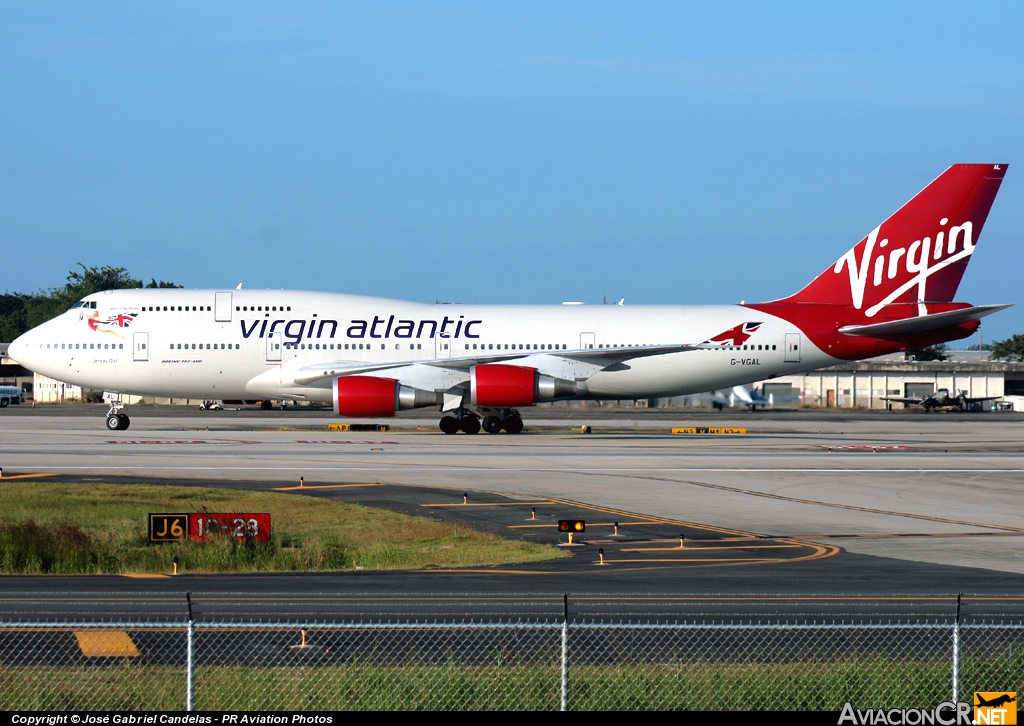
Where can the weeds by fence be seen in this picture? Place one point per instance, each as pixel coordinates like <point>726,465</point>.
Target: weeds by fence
<point>350,665</point>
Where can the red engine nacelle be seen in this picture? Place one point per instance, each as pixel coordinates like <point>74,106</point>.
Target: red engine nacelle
<point>371,397</point>
<point>365,396</point>
<point>496,385</point>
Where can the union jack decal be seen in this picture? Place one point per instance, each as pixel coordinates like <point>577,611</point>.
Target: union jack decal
<point>735,336</point>
<point>120,320</point>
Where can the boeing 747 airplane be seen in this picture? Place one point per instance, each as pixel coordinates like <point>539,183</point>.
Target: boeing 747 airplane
<point>371,357</point>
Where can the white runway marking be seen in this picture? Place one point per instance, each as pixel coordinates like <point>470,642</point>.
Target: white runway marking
<point>580,470</point>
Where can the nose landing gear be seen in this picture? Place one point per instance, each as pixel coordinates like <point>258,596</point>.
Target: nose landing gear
<point>117,421</point>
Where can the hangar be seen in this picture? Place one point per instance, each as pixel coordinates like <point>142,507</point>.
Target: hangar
<point>864,384</point>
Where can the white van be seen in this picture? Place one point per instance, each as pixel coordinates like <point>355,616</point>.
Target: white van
<point>11,394</point>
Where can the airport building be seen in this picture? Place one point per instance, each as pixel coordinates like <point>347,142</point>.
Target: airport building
<point>866,383</point>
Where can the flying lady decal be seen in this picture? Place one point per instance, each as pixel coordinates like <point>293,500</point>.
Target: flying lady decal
<point>108,325</point>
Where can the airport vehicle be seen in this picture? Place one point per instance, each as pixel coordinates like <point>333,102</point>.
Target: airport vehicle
<point>942,399</point>
<point>738,395</point>
<point>11,394</point>
<point>371,357</point>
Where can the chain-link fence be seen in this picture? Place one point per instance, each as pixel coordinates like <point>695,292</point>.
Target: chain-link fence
<point>508,666</point>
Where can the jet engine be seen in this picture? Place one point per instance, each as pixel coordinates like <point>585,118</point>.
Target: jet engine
<point>495,385</point>
<point>369,396</point>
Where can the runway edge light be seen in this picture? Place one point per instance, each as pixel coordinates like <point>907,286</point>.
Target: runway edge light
<point>572,525</point>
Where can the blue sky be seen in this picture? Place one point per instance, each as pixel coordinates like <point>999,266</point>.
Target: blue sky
<point>515,152</point>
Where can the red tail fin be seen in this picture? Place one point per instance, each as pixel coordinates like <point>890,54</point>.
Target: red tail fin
<point>917,255</point>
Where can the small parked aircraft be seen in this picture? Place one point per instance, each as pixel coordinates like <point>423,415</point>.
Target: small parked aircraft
<point>942,399</point>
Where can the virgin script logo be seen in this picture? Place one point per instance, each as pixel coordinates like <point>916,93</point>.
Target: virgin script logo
<point>921,259</point>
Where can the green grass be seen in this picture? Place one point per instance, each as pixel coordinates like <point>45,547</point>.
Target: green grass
<point>102,528</point>
<point>867,683</point>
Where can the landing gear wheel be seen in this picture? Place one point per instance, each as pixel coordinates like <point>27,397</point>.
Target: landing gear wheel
<point>114,422</point>
<point>492,425</point>
<point>125,421</point>
<point>449,425</point>
<point>513,424</point>
<point>470,424</point>
<point>266,405</point>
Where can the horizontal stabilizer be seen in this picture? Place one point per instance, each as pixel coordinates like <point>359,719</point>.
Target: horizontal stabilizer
<point>922,323</point>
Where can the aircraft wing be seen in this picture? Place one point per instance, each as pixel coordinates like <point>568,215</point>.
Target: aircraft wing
<point>603,357</point>
<point>979,400</point>
<point>922,323</point>
<point>908,401</point>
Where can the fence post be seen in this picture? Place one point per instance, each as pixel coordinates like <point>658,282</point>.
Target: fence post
<point>565,654</point>
<point>956,650</point>
<point>190,670</point>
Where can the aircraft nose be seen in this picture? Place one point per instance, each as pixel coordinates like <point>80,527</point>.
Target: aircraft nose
<point>16,350</point>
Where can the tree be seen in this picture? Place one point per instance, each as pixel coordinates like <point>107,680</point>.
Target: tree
<point>932,352</point>
<point>1010,349</point>
<point>20,312</point>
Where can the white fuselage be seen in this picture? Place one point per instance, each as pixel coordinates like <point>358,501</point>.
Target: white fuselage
<point>248,344</point>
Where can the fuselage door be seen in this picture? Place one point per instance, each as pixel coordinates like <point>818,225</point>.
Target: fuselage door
<point>442,347</point>
<point>792,347</point>
<point>222,307</point>
<point>274,341</point>
<point>140,347</point>
<point>587,340</point>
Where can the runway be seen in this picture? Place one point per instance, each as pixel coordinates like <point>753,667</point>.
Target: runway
<point>817,503</point>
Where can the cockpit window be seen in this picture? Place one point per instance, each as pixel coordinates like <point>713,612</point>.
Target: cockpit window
<point>78,304</point>
<point>89,304</point>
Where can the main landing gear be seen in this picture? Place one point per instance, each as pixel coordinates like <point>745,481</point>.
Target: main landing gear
<point>463,420</point>
<point>507,419</point>
<point>117,421</point>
